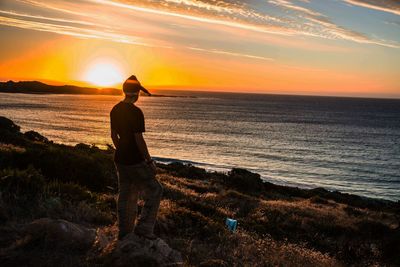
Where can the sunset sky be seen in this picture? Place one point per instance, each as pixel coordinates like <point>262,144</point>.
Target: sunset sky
<point>324,47</point>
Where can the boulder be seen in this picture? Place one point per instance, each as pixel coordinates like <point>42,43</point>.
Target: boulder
<point>61,234</point>
<point>137,251</point>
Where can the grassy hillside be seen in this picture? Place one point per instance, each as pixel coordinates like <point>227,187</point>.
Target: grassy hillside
<point>35,87</point>
<point>278,226</point>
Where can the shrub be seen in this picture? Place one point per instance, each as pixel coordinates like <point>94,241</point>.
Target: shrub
<point>10,132</point>
<point>93,170</point>
<point>186,170</point>
<point>244,181</point>
<point>35,136</point>
<point>23,187</point>
<point>188,223</point>
<point>70,191</point>
<point>8,125</point>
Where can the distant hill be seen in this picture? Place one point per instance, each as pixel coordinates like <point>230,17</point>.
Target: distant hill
<point>35,87</point>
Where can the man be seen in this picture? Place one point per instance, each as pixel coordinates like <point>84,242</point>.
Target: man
<point>136,170</point>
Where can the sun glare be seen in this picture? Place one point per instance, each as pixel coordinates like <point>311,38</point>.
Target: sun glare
<point>103,74</point>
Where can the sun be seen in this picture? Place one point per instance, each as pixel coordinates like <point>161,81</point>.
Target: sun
<point>103,74</point>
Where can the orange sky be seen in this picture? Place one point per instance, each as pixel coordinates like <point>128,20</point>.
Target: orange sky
<point>57,42</point>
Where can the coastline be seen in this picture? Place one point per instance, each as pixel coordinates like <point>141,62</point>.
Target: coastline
<point>225,170</point>
<point>39,88</point>
<point>303,144</point>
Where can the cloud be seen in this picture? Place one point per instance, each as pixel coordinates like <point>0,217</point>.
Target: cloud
<point>240,14</point>
<point>390,6</point>
<point>12,13</point>
<point>69,27</point>
<point>120,20</point>
<point>71,31</point>
<point>394,23</point>
<point>294,7</point>
<point>319,25</point>
<point>215,51</point>
<point>338,32</point>
<point>224,13</point>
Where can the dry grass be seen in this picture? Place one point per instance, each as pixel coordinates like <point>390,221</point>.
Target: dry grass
<point>286,232</point>
<point>11,148</point>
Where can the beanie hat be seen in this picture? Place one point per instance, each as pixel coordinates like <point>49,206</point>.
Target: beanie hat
<point>132,86</point>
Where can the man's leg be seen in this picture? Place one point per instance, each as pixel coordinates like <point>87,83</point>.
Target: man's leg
<point>152,190</point>
<point>127,201</point>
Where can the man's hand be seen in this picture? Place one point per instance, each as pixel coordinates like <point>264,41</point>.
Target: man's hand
<point>115,138</point>
<point>153,166</point>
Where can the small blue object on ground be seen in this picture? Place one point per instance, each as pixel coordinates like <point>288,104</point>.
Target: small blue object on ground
<point>231,224</point>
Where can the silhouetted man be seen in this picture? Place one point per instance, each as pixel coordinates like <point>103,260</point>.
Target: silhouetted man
<point>136,170</point>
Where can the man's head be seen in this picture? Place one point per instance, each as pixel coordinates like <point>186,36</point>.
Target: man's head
<point>132,88</point>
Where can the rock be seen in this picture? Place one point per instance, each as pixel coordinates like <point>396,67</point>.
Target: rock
<point>137,251</point>
<point>61,233</point>
<point>35,136</point>
<point>8,125</point>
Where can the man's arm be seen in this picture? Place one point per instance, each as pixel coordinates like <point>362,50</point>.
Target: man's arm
<point>142,146</point>
<point>115,138</point>
<point>144,151</point>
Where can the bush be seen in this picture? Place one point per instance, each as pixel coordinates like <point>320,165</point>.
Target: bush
<point>69,191</point>
<point>35,136</point>
<point>10,132</point>
<point>244,181</point>
<point>87,168</point>
<point>186,170</point>
<point>22,187</point>
<point>8,125</point>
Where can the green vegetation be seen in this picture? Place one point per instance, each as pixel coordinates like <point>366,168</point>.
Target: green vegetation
<point>278,226</point>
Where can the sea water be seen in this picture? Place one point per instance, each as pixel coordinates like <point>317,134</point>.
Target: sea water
<point>346,144</point>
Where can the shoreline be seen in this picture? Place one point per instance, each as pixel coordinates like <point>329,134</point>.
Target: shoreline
<point>266,180</point>
<point>312,159</point>
<point>211,168</point>
<point>306,190</point>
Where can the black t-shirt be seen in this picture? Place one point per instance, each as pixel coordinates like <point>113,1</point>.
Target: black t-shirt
<point>126,120</point>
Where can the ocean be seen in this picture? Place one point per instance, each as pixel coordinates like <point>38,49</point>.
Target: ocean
<point>347,144</point>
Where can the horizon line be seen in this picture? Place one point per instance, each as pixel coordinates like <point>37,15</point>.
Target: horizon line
<point>188,88</point>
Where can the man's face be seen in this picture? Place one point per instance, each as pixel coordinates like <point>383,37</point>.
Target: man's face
<point>133,97</point>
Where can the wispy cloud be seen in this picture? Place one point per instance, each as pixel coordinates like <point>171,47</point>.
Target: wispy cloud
<point>240,14</point>
<point>71,31</point>
<point>72,27</point>
<point>390,6</point>
<point>241,19</point>
<point>319,25</point>
<point>215,51</point>
<point>394,23</point>
<point>13,13</point>
<point>117,20</point>
<point>291,6</point>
